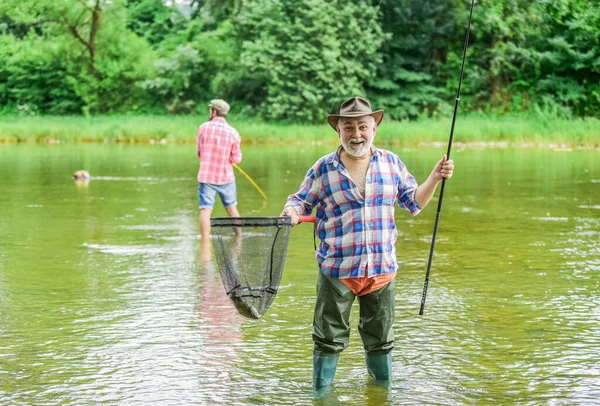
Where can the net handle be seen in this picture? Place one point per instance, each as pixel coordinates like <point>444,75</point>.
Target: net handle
<point>306,219</point>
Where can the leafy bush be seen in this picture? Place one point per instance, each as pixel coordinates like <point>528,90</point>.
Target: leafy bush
<point>305,55</point>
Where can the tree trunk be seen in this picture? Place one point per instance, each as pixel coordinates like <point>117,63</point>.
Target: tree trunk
<point>89,43</point>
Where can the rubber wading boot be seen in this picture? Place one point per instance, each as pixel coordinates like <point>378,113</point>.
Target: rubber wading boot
<point>323,370</point>
<point>380,366</point>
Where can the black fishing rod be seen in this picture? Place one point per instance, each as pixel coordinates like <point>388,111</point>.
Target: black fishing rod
<point>439,208</point>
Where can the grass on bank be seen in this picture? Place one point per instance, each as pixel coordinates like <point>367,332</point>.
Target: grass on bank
<point>182,129</point>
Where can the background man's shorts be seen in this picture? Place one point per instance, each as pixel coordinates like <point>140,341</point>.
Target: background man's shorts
<point>208,191</point>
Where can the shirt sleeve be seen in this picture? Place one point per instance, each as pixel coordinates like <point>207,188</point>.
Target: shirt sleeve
<point>199,142</point>
<point>236,152</point>
<point>305,199</point>
<point>407,192</point>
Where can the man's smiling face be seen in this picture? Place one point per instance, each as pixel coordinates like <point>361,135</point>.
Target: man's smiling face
<point>356,135</point>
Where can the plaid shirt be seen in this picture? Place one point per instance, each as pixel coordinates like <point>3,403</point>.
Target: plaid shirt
<point>356,232</point>
<point>218,146</point>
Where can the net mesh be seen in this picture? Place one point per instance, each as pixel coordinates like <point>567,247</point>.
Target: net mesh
<point>250,253</point>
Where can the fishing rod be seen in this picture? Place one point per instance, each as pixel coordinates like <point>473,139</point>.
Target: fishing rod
<point>439,207</point>
<point>251,181</point>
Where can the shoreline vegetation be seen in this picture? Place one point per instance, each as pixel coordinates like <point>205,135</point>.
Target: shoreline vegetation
<point>470,131</point>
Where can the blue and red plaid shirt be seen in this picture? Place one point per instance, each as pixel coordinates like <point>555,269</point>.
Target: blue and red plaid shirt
<point>356,232</point>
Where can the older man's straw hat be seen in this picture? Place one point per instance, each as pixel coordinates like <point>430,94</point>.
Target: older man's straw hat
<point>355,107</point>
<point>219,105</point>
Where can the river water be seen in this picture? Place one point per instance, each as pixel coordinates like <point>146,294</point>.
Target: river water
<point>106,296</point>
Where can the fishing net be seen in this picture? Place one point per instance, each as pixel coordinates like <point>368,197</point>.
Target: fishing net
<point>250,253</point>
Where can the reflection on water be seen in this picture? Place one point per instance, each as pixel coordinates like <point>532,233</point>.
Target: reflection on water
<point>82,183</point>
<point>221,331</point>
<point>107,294</point>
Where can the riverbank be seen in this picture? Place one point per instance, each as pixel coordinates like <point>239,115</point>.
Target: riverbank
<point>473,130</point>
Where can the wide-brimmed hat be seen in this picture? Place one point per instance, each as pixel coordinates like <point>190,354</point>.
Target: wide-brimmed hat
<point>219,105</point>
<point>355,107</point>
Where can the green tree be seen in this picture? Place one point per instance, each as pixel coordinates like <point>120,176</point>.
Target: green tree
<point>80,19</point>
<point>214,12</point>
<point>285,59</point>
<point>103,62</point>
<point>153,20</point>
<point>179,80</point>
<point>534,55</point>
<point>408,81</point>
<point>35,76</point>
<point>569,55</point>
<point>501,61</point>
<point>305,53</point>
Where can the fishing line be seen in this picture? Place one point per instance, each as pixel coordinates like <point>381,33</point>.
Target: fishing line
<point>251,181</point>
<point>337,96</point>
<point>439,208</point>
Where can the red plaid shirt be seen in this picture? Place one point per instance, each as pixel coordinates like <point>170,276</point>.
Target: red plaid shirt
<point>218,146</point>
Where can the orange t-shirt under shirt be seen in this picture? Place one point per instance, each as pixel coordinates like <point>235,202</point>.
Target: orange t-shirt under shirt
<point>365,285</point>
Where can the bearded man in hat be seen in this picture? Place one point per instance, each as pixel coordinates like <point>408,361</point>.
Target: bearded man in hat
<point>354,191</point>
<point>218,147</point>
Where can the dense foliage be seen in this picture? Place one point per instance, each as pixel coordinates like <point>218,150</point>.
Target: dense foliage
<point>293,60</point>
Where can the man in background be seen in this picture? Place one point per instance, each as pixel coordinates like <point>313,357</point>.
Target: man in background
<point>218,147</point>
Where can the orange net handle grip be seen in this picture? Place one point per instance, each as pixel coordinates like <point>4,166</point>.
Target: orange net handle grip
<point>306,219</point>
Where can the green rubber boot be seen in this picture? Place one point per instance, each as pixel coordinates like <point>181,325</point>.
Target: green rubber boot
<point>323,370</point>
<point>380,366</point>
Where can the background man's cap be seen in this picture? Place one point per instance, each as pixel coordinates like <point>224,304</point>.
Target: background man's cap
<point>355,107</point>
<point>219,105</point>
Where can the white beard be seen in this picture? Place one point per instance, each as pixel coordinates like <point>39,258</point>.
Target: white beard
<point>357,150</point>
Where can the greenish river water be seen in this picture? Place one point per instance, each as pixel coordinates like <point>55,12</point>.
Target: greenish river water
<point>105,298</point>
